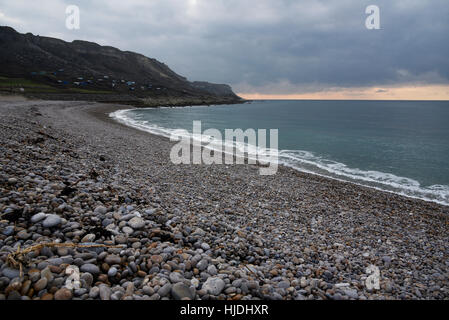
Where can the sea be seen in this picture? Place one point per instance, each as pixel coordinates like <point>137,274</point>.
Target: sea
<point>396,146</point>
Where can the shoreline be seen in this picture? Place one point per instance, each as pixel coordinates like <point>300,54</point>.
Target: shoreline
<point>280,164</point>
<point>197,232</point>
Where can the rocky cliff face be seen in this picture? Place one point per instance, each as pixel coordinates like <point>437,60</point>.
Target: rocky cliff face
<point>81,64</point>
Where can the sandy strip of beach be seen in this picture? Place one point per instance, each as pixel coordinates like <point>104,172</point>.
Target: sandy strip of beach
<point>71,174</point>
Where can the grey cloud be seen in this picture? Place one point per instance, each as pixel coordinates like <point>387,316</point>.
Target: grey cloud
<point>275,46</point>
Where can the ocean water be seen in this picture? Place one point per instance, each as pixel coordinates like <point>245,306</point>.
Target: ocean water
<point>397,146</point>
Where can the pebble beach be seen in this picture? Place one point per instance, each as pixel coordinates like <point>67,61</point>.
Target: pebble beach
<point>138,227</point>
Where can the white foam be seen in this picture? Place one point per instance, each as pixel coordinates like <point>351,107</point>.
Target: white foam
<point>306,161</point>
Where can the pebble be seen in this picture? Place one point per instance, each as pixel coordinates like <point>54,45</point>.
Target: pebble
<point>88,278</point>
<point>63,294</point>
<point>352,293</point>
<point>279,238</point>
<point>47,274</point>
<point>90,268</point>
<point>212,270</point>
<point>40,284</point>
<point>94,292</point>
<point>51,221</point>
<point>128,230</point>
<point>136,223</point>
<point>23,235</point>
<point>202,265</point>
<point>8,231</point>
<point>10,273</point>
<point>112,272</point>
<point>157,259</point>
<point>48,296</point>
<point>214,286</point>
<point>88,238</point>
<point>165,290</point>
<point>181,291</point>
<point>100,210</point>
<point>105,292</point>
<point>176,277</point>
<point>205,246</point>
<point>38,217</point>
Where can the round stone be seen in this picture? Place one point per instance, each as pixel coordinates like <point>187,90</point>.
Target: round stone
<point>100,210</point>
<point>176,277</point>
<point>165,290</point>
<point>212,270</point>
<point>214,286</point>
<point>105,292</point>
<point>40,284</point>
<point>90,268</point>
<point>157,259</point>
<point>23,235</point>
<point>52,220</point>
<point>202,265</point>
<point>112,272</point>
<point>284,284</point>
<point>351,293</point>
<point>63,294</point>
<point>136,223</point>
<point>112,259</point>
<point>38,217</point>
<point>88,238</point>
<point>127,230</point>
<point>47,296</point>
<point>181,291</point>
<point>94,292</point>
<point>9,230</point>
<point>88,278</point>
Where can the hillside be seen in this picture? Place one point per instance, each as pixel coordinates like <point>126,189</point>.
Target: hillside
<point>52,68</point>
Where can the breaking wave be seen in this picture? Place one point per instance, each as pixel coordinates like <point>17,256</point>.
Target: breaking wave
<point>306,161</point>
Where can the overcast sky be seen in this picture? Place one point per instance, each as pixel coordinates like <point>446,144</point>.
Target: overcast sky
<point>266,47</point>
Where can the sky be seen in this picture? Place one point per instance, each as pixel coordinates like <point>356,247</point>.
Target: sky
<point>268,49</point>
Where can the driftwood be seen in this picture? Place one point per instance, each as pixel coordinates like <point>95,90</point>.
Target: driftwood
<point>18,258</point>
